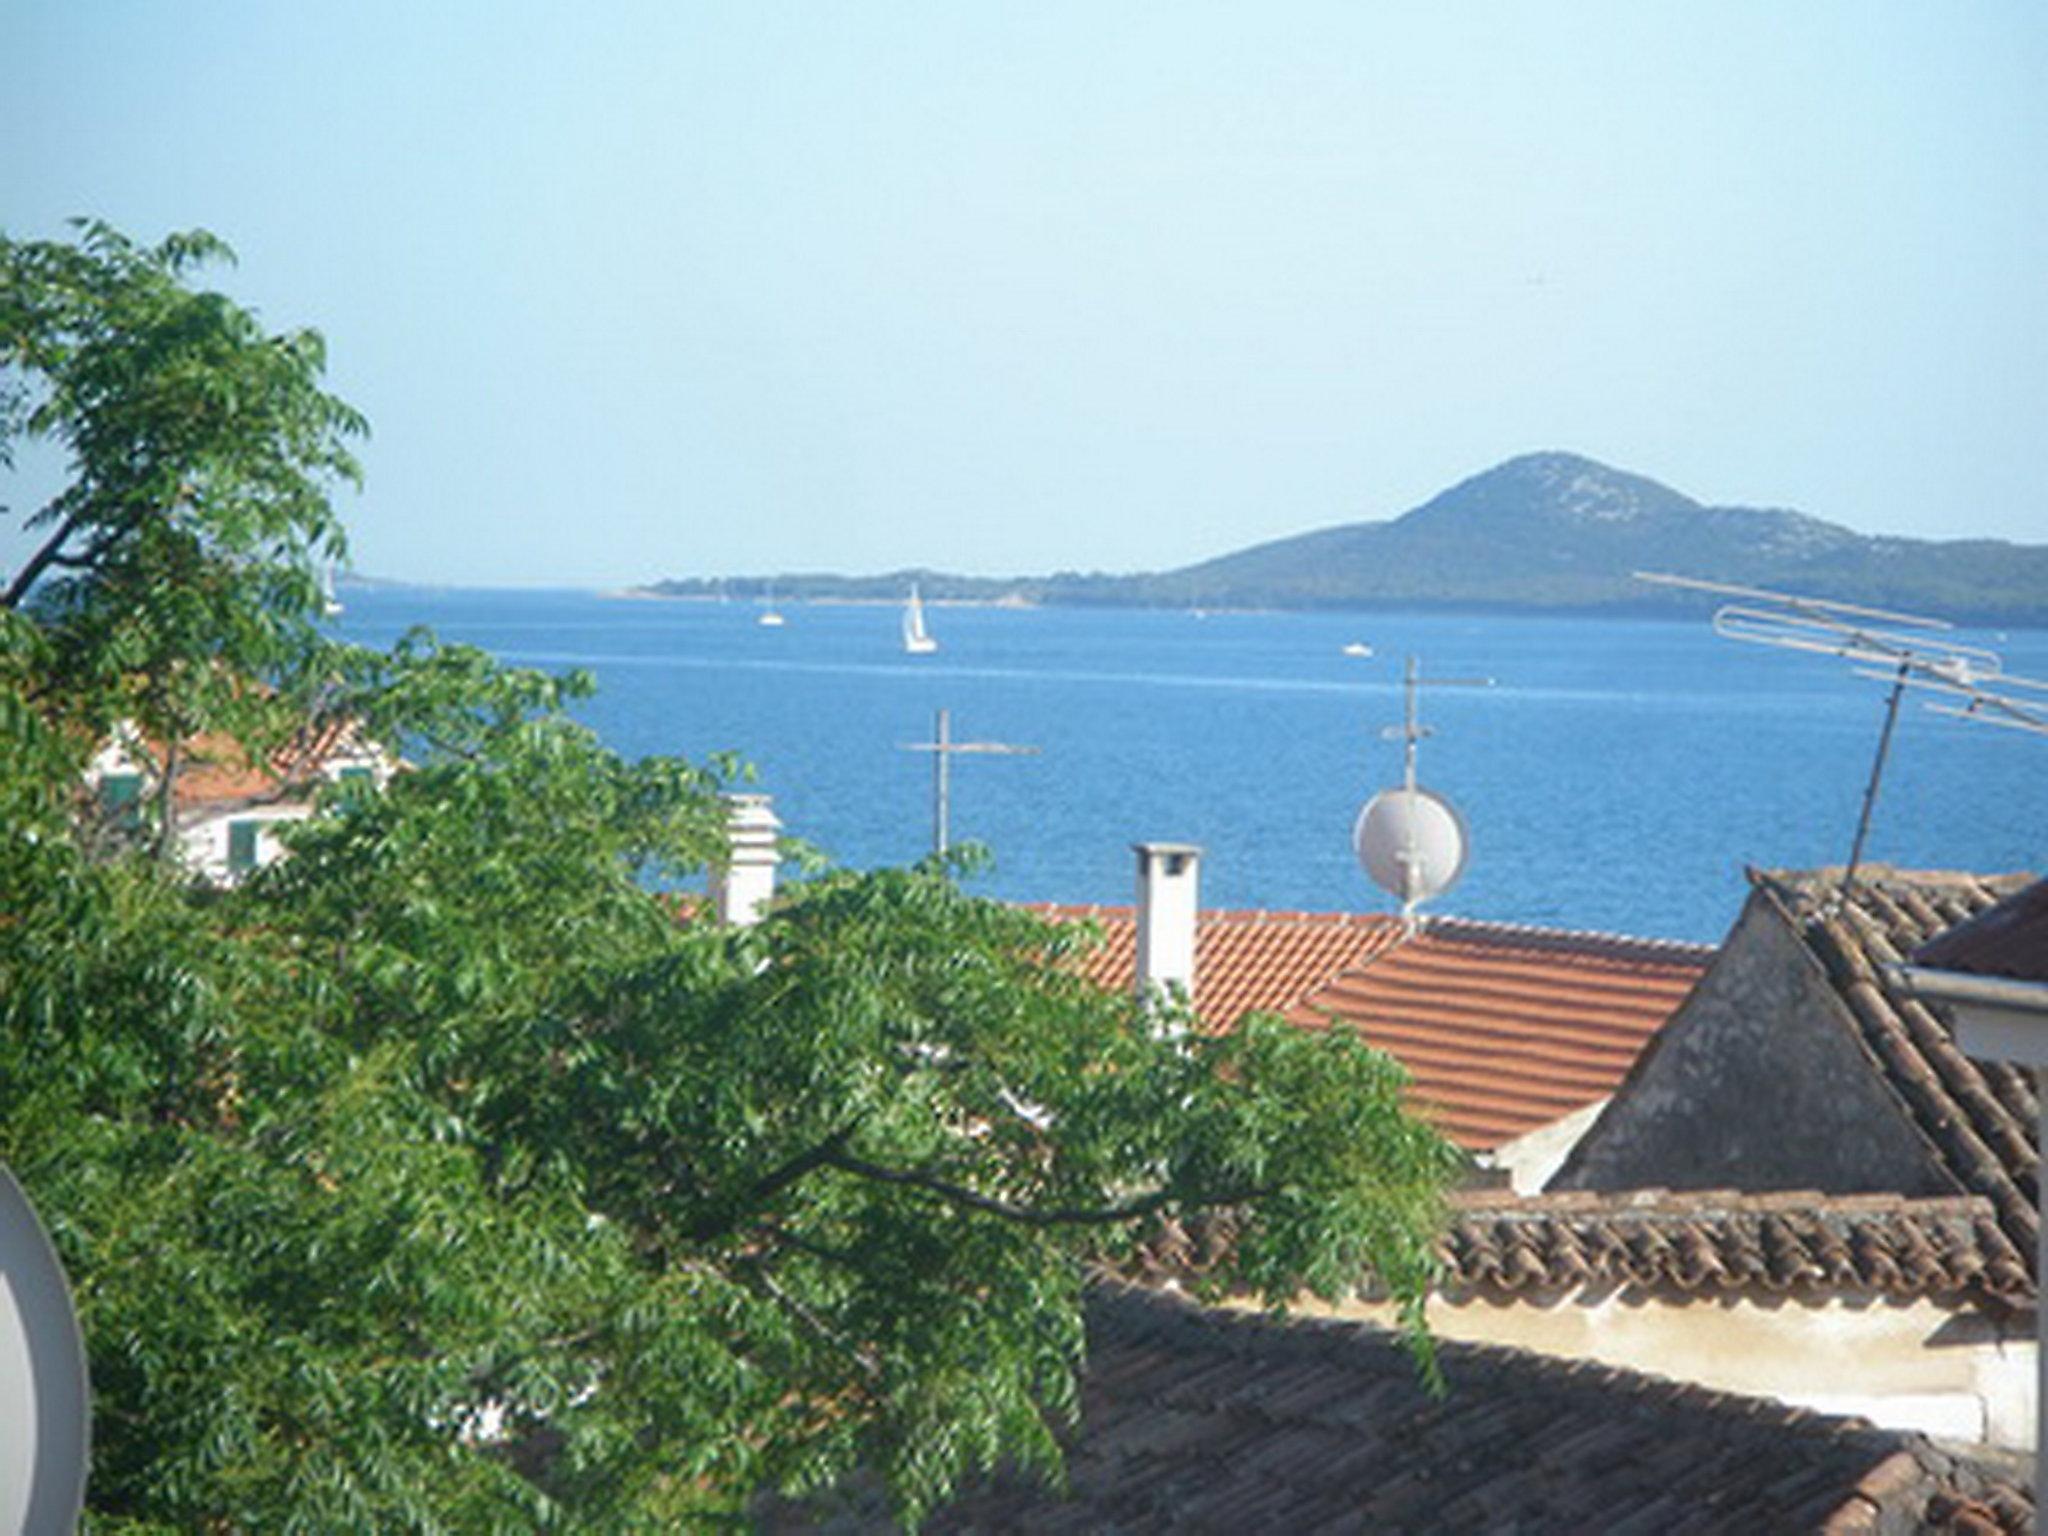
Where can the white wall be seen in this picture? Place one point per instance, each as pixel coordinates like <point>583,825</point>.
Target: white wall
<point>1954,1373</point>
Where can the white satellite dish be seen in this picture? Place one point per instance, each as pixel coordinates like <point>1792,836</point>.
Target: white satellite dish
<point>1412,844</point>
<point>45,1424</point>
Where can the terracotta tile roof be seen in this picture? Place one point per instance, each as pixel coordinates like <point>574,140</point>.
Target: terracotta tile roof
<point>1245,961</point>
<point>2010,940</point>
<point>1715,1244</point>
<point>1503,1028</point>
<point>1724,1243</point>
<point>1980,1119</point>
<point>215,770</point>
<point>1197,1420</point>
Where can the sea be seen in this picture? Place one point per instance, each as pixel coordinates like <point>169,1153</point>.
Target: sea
<point>1615,775</point>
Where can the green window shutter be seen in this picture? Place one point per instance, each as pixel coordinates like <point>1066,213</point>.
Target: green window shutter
<point>356,776</point>
<point>117,789</point>
<point>121,795</point>
<point>242,846</point>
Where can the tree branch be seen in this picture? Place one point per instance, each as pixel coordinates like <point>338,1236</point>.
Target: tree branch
<point>166,796</point>
<point>862,1360</point>
<point>1025,1215</point>
<point>770,1183</point>
<point>38,562</point>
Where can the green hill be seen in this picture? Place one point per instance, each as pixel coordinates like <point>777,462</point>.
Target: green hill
<point>1543,531</point>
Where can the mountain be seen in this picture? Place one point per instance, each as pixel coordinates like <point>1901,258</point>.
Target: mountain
<point>1543,531</point>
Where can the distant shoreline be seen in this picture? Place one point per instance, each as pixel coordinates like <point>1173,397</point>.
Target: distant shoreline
<point>1646,612</point>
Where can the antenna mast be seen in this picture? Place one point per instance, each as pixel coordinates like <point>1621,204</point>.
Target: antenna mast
<point>944,749</point>
<point>1899,648</point>
<point>1411,731</point>
<point>1411,842</point>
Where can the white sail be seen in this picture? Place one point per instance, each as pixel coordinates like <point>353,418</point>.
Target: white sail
<point>917,640</point>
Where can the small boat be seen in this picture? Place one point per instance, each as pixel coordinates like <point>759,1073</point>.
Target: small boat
<point>770,617</point>
<point>330,605</point>
<point>1358,648</point>
<point>917,640</point>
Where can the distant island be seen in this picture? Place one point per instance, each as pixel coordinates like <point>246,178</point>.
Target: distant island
<point>1546,531</point>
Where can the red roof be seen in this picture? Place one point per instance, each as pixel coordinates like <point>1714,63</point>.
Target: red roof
<point>214,769</point>
<point>1502,1028</point>
<point>1507,1029</point>
<point>1245,962</point>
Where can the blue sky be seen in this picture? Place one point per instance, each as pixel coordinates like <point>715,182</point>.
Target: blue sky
<point>630,290</point>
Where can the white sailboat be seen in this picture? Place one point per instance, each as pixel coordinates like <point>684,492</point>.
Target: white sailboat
<point>917,640</point>
<point>770,618</point>
<point>330,605</point>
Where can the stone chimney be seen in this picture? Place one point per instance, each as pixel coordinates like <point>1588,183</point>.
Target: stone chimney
<point>744,883</point>
<point>1169,891</point>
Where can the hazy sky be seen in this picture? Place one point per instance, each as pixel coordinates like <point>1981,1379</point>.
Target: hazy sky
<point>630,290</point>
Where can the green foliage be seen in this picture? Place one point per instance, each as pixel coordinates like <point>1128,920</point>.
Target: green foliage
<point>182,556</point>
<point>441,1178</point>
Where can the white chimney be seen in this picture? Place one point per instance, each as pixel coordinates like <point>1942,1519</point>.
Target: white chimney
<point>1169,888</point>
<point>744,883</point>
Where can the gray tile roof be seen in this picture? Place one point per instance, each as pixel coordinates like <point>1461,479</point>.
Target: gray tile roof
<point>1210,1421</point>
<point>1979,1119</point>
<point>1722,1244</point>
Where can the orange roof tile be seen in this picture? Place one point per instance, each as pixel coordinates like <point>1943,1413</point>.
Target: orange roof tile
<point>1502,1028</point>
<point>215,769</point>
<point>1245,961</point>
<point>1506,1029</point>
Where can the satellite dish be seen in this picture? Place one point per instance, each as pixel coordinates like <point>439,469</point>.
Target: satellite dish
<point>1411,843</point>
<point>43,1403</point>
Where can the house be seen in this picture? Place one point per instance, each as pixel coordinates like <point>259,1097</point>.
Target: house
<point>1512,1036</point>
<point>1207,1420</point>
<point>1804,1060</point>
<point>1916,1313</point>
<point>1802,1189</point>
<point>226,806</point>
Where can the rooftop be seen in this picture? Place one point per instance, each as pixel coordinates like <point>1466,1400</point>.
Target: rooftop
<point>1202,1420</point>
<point>1979,1118</point>
<point>215,769</point>
<point>1717,1244</point>
<point>2009,940</point>
<point>1502,1028</point>
<point>1713,1244</point>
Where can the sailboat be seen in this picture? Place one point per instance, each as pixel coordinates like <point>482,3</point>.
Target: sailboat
<point>917,640</point>
<point>770,618</point>
<point>330,605</point>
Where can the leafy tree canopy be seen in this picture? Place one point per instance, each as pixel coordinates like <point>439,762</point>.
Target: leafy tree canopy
<point>441,1177</point>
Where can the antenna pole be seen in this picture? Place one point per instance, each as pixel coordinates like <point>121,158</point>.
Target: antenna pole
<point>1884,746</point>
<point>943,747</point>
<point>1411,856</point>
<point>942,779</point>
<point>1411,685</point>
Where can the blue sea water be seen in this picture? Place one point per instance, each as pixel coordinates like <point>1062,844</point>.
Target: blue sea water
<point>1619,775</point>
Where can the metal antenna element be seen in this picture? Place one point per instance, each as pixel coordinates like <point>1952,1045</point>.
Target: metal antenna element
<point>944,749</point>
<point>1872,638</point>
<point>1411,731</point>
<point>1413,843</point>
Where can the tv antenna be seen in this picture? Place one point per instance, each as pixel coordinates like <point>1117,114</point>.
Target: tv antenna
<point>1903,649</point>
<point>944,749</point>
<point>1411,841</point>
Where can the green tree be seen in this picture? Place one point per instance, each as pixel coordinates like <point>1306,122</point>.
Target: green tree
<point>443,1177</point>
<point>181,557</point>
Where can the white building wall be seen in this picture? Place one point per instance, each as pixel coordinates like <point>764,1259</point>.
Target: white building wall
<point>203,841</point>
<point>1958,1374</point>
